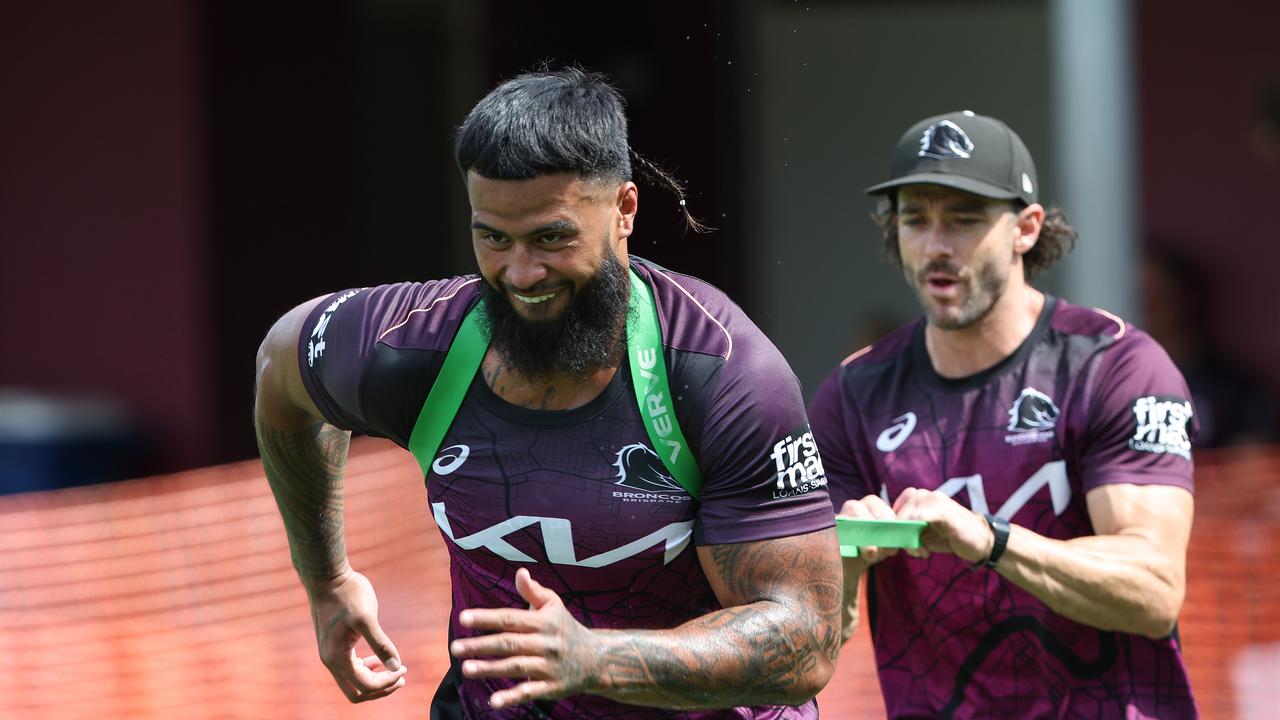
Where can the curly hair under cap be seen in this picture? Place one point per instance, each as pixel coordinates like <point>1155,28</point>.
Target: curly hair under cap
<point>1057,237</point>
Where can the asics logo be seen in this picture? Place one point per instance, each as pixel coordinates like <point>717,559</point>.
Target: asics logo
<point>897,433</point>
<point>450,459</point>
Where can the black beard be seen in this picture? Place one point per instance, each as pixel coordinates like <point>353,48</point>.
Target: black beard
<point>987,288</point>
<point>585,337</point>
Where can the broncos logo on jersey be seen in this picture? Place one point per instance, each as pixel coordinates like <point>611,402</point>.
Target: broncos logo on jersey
<point>1033,410</point>
<point>945,140</point>
<point>640,468</point>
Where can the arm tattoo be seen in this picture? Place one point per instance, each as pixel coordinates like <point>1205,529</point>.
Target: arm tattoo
<point>781,631</point>
<point>304,468</point>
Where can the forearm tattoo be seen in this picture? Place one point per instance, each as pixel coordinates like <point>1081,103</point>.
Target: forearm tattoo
<point>766,649</point>
<point>304,469</point>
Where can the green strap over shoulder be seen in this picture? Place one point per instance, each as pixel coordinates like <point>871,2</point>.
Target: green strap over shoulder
<point>648,377</point>
<point>460,366</point>
<point>653,393</point>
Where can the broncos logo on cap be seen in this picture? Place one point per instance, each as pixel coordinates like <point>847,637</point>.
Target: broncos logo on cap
<point>640,468</point>
<point>1033,410</point>
<point>944,140</point>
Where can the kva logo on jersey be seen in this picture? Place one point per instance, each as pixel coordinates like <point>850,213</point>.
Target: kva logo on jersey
<point>558,542</point>
<point>640,468</point>
<point>1032,418</point>
<point>1162,425</point>
<point>1052,475</point>
<point>796,460</point>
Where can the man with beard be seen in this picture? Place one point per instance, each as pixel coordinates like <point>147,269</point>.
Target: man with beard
<point>1046,446</point>
<point>622,470</point>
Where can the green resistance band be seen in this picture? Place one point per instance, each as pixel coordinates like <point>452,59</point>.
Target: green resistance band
<point>854,533</point>
<point>648,377</point>
<point>653,393</point>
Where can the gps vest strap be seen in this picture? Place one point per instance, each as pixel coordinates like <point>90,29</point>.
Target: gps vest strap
<point>648,377</point>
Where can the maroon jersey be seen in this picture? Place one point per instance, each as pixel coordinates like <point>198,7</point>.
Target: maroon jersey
<point>1086,400</point>
<point>579,496</point>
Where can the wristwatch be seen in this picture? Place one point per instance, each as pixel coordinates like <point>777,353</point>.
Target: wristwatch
<point>1000,529</point>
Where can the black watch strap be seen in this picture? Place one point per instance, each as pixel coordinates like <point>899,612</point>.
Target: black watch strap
<point>1000,529</point>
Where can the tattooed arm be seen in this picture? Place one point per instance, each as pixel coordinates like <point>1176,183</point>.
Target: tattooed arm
<point>774,643</point>
<point>304,458</point>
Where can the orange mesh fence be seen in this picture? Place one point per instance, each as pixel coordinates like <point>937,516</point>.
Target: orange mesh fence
<point>173,597</point>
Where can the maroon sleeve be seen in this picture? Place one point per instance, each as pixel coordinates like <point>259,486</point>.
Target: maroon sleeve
<point>835,427</point>
<point>331,356</point>
<point>763,476</point>
<point>1140,419</point>
<point>355,330</point>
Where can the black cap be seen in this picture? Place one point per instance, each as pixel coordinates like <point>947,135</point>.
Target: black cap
<point>969,152</point>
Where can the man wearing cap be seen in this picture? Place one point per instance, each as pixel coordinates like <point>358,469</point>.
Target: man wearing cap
<point>1046,446</point>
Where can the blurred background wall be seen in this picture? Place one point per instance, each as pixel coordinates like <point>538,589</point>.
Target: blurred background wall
<point>176,174</point>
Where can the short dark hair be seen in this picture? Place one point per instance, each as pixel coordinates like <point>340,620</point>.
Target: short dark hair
<point>1057,237</point>
<point>545,121</point>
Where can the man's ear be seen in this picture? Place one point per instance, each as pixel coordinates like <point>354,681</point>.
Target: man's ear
<point>627,203</point>
<point>1028,223</point>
